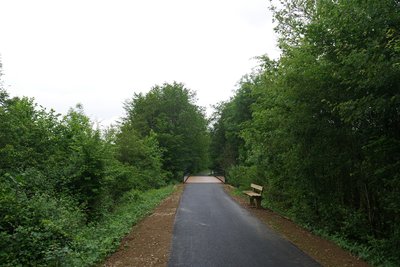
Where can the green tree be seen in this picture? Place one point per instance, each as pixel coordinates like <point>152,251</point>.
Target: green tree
<point>60,176</point>
<point>324,130</point>
<point>179,125</point>
<point>229,119</point>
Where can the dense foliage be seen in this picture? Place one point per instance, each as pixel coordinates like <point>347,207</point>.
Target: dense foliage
<point>320,127</point>
<point>170,114</point>
<point>62,182</point>
<point>57,175</point>
<point>68,192</point>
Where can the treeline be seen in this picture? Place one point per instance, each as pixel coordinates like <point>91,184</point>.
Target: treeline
<point>320,127</point>
<point>69,191</point>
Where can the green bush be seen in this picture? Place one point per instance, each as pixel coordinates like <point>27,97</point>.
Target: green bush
<point>36,229</point>
<point>60,179</point>
<point>242,176</point>
<point>96,241</point>
<point>48,230</point>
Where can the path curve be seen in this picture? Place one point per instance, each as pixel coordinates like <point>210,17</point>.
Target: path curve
<point>212,230</point>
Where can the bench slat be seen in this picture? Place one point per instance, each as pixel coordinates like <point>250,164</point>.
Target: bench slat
<point>252,194</point>
<point>257,187</point>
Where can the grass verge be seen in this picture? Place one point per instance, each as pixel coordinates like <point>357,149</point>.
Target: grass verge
<point>96,241</point>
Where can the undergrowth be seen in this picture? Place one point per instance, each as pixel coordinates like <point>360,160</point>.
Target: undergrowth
<point>98,240</point>
<point>374,253</point>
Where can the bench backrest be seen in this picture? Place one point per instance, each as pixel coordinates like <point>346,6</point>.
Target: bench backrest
<point>257,187</point>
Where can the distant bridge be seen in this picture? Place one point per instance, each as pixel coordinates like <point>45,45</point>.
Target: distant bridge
<point>196,179</point>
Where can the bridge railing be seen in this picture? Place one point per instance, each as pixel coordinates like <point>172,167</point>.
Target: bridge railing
<point>185,177</point>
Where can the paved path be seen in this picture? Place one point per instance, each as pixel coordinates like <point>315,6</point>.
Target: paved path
<point>213,230</point>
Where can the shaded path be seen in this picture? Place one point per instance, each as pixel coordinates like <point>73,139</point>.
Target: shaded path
<point>212,230</point>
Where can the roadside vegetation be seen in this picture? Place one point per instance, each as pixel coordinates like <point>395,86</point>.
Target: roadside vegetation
<point>69,192</point>
<point>320,127</point>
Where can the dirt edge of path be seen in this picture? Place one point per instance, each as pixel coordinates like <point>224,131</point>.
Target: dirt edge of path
<point>323,251</point>
<point>149,242</point>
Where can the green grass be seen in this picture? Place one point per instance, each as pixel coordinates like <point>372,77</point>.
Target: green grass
<point>97,241</point>
<point>372,253</point>
<point>237,192</point>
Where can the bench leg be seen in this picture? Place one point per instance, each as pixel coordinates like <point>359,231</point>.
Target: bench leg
<point>258,202</point>
<point>252,201</point>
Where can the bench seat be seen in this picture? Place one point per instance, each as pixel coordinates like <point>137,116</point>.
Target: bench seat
<point>252,194</point>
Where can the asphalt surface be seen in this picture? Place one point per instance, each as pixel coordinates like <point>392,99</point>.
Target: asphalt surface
<point>212,230</point>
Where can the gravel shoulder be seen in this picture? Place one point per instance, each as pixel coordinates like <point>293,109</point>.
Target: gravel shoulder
<point>149,242</point>
<point>323,251</point>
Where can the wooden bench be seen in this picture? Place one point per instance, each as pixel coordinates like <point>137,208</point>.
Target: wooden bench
<point>256,194</point>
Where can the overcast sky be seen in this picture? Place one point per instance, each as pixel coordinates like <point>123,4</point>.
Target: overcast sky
<point>99,52</point>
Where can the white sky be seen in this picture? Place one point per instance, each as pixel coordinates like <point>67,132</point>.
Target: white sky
<point>99,52</point>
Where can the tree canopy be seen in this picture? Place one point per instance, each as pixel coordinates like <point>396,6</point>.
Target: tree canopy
<point>179,125</point>
<point>323,132</point>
